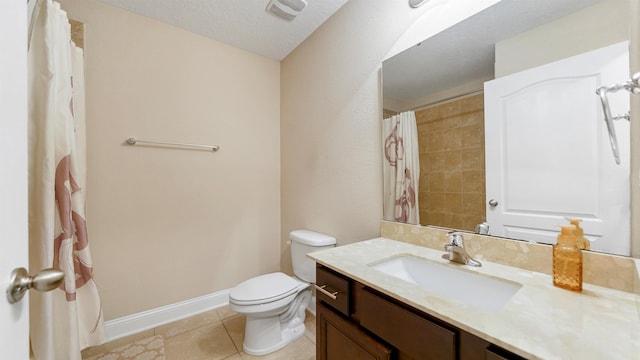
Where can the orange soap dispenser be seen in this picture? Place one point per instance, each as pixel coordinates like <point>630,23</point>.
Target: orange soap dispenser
<point>567,260</point>
<point>583,243</point>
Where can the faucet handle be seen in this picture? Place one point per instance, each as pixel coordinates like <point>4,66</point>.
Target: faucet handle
<point>482,228</point>
<point>455,238</point>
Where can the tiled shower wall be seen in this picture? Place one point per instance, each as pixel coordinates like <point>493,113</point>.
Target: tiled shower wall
<point>452,172</point>
<point>386,113</point>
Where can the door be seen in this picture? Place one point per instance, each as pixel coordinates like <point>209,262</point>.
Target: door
<point>14,318</point>
<point>548,154</point>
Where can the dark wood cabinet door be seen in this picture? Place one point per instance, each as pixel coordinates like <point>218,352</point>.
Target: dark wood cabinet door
<point>339,339</point>
<point>472,347</point>
<point>414,336</point>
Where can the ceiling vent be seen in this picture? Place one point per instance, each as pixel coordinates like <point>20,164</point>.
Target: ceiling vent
<point>286,9</point>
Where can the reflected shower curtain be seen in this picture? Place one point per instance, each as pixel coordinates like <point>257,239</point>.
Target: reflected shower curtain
<point>68,319</point>
<point>401,168</point>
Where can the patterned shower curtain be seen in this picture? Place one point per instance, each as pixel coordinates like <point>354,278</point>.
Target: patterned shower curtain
<point>401,168</point>
<point>68,319</point>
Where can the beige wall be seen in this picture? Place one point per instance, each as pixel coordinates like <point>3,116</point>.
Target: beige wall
<point>330,126</point>
<point>331,113</point>
<point>594,27</point>
<point>168,225</point>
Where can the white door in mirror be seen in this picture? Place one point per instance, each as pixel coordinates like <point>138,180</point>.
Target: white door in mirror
<point>548,153</point>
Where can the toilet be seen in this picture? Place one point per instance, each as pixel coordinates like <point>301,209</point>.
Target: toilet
<point>275,303</point>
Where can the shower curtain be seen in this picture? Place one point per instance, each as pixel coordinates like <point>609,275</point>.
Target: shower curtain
<point>68,319</point>
<point>401,168</point>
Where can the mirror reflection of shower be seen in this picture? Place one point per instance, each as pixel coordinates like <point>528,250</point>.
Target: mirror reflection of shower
<point>632,86</point>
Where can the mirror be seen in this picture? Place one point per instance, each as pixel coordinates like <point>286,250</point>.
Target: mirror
<point>443,77</point>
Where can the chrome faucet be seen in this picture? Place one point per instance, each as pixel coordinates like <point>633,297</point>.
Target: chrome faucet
<point>456,252</point>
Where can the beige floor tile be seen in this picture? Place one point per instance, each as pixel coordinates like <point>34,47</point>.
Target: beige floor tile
<point>234,357</point>
<point>235,328</point>
<point>208,342</point>
<point>225,312</point>
<point>216,334</point>
<point>301,349</point>
<point>190,323</point>
<point>101,349</point>
<point>310,324</point>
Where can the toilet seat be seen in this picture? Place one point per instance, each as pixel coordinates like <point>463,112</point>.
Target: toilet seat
<point>264,289</point>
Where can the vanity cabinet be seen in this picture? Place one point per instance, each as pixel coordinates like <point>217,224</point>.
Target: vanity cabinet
<point>338,339</point>
<point>357,322</point>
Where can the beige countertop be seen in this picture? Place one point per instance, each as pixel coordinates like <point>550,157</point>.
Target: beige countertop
<point>539,322</point>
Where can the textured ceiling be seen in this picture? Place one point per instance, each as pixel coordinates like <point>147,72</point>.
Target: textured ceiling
<point>241,23</point>
<point>465,52</point>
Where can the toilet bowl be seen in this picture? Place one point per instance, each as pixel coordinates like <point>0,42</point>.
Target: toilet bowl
<point>275,303</point>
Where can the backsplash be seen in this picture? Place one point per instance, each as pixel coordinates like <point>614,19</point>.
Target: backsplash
<point>611,271</point>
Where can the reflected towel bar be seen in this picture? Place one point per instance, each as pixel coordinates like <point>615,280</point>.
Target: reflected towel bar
<point>133,141</point>
<point>632,86</point>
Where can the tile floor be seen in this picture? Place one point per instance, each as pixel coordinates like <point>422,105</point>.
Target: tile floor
<point>216,334</point>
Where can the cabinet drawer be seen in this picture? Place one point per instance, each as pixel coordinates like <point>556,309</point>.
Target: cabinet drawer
<point>332,289</point>
<point>410,333</point>
<point>340,339</point>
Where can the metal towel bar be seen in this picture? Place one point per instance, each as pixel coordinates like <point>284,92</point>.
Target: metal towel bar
<point>134,141</point>
<point>632,86</point>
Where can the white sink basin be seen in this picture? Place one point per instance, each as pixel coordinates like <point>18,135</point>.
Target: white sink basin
<point>469,287</point>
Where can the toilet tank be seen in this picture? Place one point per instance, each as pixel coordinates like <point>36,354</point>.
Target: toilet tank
<point>302,243</point>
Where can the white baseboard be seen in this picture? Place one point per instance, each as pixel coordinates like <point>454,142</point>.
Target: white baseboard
<point>135,323</point>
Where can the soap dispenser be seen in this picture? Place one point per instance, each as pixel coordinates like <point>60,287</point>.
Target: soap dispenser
<point>567,260</point>
<point>583,243</point>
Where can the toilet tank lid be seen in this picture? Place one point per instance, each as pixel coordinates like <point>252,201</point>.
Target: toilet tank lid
<point>311,238</point>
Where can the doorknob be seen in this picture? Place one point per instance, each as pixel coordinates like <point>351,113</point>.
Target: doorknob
<point>493,202</point>
<point>20,282</point>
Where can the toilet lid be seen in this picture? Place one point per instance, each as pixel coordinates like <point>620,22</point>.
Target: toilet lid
<point>264,288</point>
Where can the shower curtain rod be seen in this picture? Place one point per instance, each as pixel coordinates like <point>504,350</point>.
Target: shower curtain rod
<point>134,141</point>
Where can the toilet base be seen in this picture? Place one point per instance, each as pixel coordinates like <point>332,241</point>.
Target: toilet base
<point>263,335</point>
<point>287,336</point>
